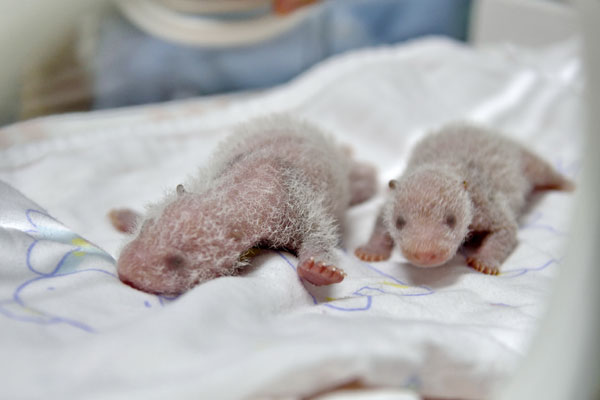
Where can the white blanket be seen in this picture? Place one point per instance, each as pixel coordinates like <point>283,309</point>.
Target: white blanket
<point>70,329</point>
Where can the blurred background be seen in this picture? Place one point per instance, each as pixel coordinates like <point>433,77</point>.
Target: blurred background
<point>78,56</point>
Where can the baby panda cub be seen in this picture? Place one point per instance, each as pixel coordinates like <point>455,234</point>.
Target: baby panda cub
<point>275,182</point>
<point>463,182</point>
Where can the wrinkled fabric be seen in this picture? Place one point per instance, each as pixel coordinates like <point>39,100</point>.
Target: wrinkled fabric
<point>71,330</point>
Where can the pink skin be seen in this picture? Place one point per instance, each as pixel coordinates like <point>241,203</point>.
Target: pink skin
<point>124,220</point>
<point>462,182</point>
<point>428,232</point>
<point>191,242</point>
<point>164,268</point>
<point>169,256</point>
<point>254,200</point>
<point>320,274</point>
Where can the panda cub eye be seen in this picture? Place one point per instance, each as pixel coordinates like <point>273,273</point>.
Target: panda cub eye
<point>450,220</point>
<point>174,262</point>
<point>400,222</point>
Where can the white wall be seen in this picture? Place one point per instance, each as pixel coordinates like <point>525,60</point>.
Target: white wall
<point>29,30</point>
<point>564,361</point>
<point>525,22</point>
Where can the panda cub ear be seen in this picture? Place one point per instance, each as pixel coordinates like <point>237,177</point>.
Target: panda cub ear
<point>393,184</point>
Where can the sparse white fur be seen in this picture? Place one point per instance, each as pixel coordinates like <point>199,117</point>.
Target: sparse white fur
<point>275,181</point>
<point>460,180</point>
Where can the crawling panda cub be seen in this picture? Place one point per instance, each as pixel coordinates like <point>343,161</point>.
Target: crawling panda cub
<point>275,182</point>
<point>461,182</point>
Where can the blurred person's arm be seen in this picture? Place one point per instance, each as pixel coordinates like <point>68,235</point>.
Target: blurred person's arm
<point>287,6</point>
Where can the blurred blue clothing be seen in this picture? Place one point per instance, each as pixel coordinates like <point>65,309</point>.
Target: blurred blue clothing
<point>132,67</point>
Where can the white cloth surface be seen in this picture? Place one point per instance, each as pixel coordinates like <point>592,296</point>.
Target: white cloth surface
<point>70,329</point>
